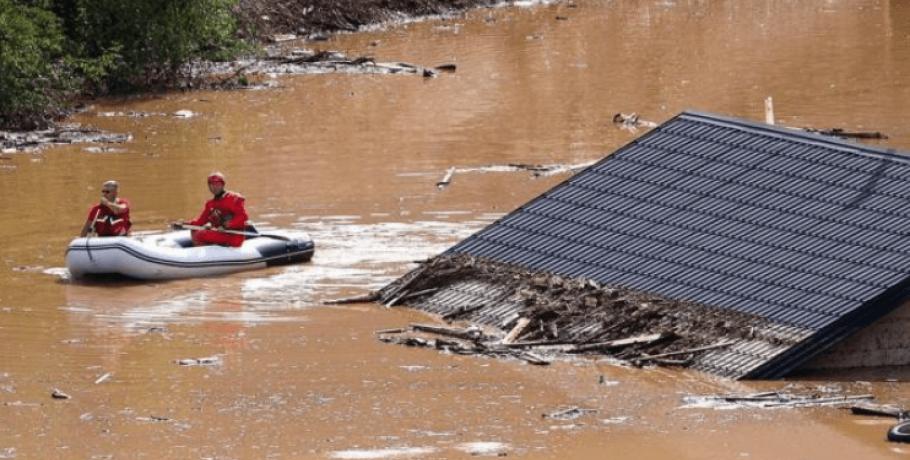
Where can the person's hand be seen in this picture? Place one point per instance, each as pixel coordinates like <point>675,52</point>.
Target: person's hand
<point>177,225</point>
<point>207,226</point>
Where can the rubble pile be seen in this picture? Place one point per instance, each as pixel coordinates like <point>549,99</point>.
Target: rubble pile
<point>638,326</point>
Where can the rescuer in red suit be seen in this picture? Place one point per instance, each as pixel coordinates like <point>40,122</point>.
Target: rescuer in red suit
<point>111,216</point>
<point>223,212</point>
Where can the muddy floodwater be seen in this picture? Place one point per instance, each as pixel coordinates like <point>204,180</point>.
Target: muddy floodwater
<point>256,366</point>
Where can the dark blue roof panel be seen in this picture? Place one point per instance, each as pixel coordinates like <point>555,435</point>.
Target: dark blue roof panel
<point>799,228</point>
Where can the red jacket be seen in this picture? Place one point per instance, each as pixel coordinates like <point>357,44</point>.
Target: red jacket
<point>224,210</point>
<point>106,223</point>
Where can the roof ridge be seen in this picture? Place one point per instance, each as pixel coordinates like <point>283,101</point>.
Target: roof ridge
<point>776,131</point>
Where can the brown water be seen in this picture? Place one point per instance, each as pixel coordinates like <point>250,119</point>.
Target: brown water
<point>354,159</point>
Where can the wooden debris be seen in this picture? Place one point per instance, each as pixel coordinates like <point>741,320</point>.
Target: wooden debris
<point>880,410</point>
<point>778,399</point>
<point>472,334</point>
<point>644,358</point>
<point>530,357</point>
<point>446,179</point>
<point>396,330</point>
<point>756,397</point>
<point>819,401</point>
<point>569,414</point>
<point>102,378</point>
<point>622,343</point>
<point>372,296</point>
<point>673,362</point>
<point>839,132</point>
<point>632,120</point>
<point>448,67</point>
<point>208,361</point>
<point>516,331</point>
<point>394,297</point>
<point>542,344</point>
<point>549,314</point>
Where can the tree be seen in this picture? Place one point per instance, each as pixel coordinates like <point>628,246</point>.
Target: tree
<point>33,75</point>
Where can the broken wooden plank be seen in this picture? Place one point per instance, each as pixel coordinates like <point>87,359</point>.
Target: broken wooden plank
<point>840,132</point>
<point>540,343</point>
<point>531,358</point>
<point>570,413</point>
<point>682,352</point>
<point>446,179</point>
<point>517,330</point>
<point>403,287</point>
<point>395,330</point>
<point>622,343</point>
<point>879,410</point>
<point>672,362</point>
<point>465,334</point>
<point>372,296</point>
<point>755,397</point>
<point>819,401</point>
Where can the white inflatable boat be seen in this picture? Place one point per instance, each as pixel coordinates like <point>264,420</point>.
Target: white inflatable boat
<point>172,255</point>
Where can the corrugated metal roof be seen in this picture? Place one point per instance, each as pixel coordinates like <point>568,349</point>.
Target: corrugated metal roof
<point>807,231</point>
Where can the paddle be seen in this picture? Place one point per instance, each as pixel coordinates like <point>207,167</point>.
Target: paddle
<point>236,232</point>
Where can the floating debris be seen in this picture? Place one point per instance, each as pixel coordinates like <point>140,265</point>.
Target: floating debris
<point>57,394</point>
<point>571,413</point>
<point>632,121</point>
<point>209,361</point>
<point>536,170</point>
<point>14,142</point>
<point>773,399</point>
<point>841,133</point>
<point>537,316</point>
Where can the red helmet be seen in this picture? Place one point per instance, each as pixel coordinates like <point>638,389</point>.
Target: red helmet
<point>216,178</point>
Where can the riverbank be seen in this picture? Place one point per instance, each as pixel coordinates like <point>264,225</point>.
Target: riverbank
<point>266,23</point>
<point>309,18</point>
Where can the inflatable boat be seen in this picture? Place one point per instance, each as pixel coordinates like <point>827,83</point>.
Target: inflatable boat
<point>173,256</point>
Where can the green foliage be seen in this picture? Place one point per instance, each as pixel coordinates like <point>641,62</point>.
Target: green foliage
<point>155,37</point>
<point>52,49</point>
<point>33,76</point>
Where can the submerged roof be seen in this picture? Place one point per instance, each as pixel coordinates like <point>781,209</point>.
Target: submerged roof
<point>807,231</point>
